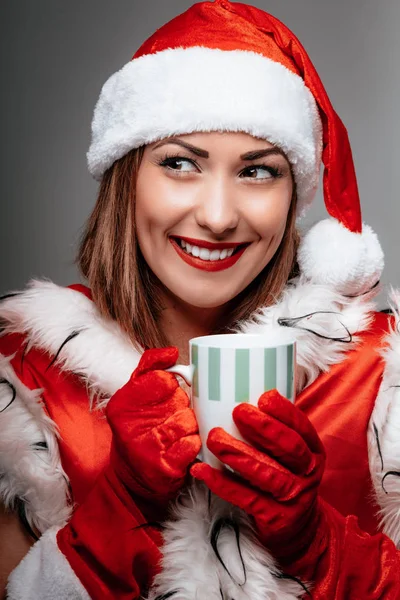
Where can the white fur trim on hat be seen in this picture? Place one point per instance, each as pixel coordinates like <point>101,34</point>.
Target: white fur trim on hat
<point>331,254</point>
<point>184,90</point>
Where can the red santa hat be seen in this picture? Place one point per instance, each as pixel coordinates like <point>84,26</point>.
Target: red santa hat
<point>228,66</point>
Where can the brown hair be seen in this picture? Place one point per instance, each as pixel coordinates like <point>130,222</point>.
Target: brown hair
<point>123,286</point>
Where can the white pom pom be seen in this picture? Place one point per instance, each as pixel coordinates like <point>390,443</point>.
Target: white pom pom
<point>349,262</point>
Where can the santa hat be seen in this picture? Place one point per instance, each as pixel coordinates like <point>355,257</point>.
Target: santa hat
<point>228,66</point>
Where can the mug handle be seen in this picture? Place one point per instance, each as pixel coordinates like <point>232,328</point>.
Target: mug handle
<point>185,371</point>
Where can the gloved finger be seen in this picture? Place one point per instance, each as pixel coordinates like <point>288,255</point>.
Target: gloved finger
<point>260,470</point>
<point>156,358</point>
<point>283,410</point>
<point>151,387</point>
<point>180,424</point>
<point>274,437</point>
<point>182,454</point>
<point>228,487</point>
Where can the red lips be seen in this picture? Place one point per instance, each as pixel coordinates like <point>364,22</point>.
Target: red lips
<point>209,265</point>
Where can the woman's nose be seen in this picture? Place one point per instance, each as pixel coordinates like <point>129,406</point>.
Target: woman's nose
<point>216,208</point>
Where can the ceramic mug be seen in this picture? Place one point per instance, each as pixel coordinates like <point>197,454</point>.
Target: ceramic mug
<point>227,369</point>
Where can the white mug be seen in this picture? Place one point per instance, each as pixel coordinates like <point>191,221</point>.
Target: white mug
<point>227,369</point>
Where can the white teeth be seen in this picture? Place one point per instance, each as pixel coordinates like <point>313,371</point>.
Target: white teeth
<point>205,253</point>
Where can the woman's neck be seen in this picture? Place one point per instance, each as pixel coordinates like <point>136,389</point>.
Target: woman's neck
<point>180,322</point>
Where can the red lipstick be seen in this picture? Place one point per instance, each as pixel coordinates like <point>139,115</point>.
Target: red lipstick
<point>208,265</point>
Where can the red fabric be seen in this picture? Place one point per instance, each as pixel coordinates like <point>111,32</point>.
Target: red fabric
<point>339,405</point>
<point>111,554</point>
<point>85,435</point>
<point>237,26</point>
<point>215,25</point>
<point>83,289</point>
<point>345,563</point>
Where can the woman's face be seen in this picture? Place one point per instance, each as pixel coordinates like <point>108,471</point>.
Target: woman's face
<point>211,210</point>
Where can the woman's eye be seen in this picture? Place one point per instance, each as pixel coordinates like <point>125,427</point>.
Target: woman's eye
<point>180,164</point>
<point>260,172</point>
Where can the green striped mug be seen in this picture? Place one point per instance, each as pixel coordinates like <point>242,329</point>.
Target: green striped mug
<point>227,369</point>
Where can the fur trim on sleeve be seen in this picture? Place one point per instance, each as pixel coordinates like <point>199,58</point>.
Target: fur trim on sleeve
<point>30,467</point>
<point>45,574</point>
<point>384,433</point>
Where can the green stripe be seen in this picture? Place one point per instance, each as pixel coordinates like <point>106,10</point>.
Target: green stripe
<point>289,382</point>
<point>214,373</point>
<point>242,375</point>
<point>269,369</point>
<point>195,362</point>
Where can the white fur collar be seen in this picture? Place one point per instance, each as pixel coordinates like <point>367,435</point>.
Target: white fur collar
<point>104,356</point>
<point>101,352</point>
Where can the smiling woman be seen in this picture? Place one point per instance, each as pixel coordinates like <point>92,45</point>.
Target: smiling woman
<point>215,200</point>
<point>207,146</point>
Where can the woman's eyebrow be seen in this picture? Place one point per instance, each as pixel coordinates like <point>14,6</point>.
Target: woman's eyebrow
<point>194,149</point>
<point>252,155</point>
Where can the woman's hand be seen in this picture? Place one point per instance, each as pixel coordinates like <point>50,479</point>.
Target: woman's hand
<point>276,478</point>
<point>155,433</point>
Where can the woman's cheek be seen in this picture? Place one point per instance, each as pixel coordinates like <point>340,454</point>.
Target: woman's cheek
<point>270,220</point>
<point>171,199</point>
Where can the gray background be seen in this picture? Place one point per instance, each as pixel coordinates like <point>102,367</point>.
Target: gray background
<point>55,57</point>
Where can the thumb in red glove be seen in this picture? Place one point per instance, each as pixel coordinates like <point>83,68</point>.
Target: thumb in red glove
<point>276,478</point>
<point>155,433</point>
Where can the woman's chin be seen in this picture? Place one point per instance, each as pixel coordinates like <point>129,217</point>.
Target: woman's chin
<point>203,299</point>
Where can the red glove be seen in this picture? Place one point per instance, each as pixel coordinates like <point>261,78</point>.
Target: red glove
<point>284,472</point>
<point>155,433</point>
<point>311,539</point>
<point>108,543</point>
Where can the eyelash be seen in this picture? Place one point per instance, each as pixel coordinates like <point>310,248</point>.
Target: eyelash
<point>166,161</point>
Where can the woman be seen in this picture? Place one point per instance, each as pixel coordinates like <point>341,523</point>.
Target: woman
<point>207,144</point>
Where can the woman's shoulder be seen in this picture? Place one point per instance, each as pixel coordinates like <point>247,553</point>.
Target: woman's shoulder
<point>35,323</point>
<point>62,327</point>
<point>32,480</point>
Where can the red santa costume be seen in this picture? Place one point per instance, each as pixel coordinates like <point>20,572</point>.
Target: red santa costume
<point>233,68</point>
